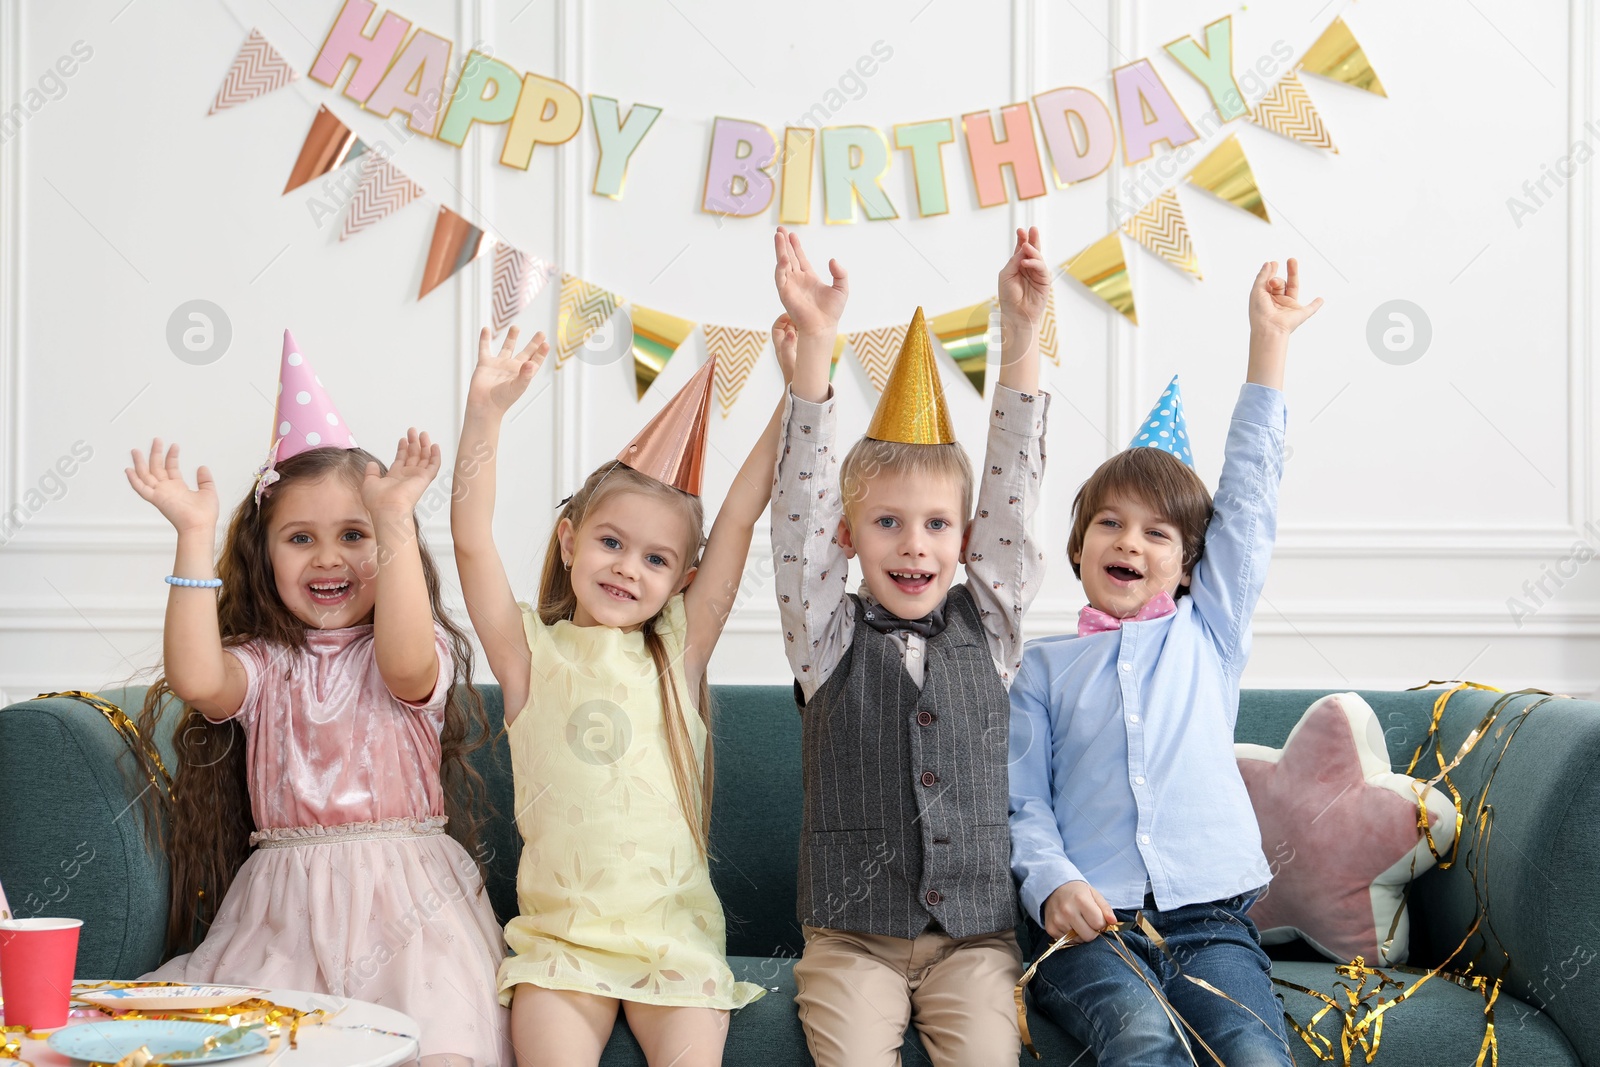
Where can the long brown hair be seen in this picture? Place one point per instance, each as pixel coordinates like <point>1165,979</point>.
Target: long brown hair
<point>209,814</point>
<point>558,601</point>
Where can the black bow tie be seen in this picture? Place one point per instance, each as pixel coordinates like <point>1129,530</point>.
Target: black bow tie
<point>881,619</point>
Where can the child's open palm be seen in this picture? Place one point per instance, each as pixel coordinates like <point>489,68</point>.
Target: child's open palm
<point>1275,302</point>
<point>1025,280</point>
<point>416,461</point>
<point>498,381</point>
<point>814,305</point>
<point>161,483</point>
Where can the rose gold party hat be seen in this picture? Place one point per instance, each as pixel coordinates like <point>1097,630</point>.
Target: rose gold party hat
<point>911,410</point>
<point>672,447</point>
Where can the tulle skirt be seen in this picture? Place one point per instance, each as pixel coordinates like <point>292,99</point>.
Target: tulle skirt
<point>391,912</point>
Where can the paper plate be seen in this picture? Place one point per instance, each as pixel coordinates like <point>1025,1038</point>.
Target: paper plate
<point>167,997</point>
<point>108,1042</point>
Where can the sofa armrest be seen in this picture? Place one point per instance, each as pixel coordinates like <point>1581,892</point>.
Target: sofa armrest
<point>72,834</point>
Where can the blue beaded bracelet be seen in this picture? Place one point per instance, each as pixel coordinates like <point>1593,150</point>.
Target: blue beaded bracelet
<point>195,583</point>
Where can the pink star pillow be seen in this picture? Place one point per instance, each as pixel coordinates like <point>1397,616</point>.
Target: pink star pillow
<point>1339,829</point>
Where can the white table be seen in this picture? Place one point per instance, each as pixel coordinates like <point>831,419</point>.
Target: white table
<point>352,1039</point>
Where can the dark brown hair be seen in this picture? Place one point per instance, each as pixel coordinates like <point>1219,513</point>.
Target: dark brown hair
<point>1162,482</point>
<point>209,814</point>
<point>558,601</point>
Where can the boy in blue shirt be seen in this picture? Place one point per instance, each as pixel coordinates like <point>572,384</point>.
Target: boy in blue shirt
<point>1125,794</point>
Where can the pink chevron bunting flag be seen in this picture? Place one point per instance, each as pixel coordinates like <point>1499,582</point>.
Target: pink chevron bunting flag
<point>383,190</point>
<point>518,278</point>
<point>258,69</point>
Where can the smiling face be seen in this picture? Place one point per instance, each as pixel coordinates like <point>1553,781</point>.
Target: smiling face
<point>627,559</point>
<point>908,530</point>
<point>1130,553</point>
<point>323,552</point>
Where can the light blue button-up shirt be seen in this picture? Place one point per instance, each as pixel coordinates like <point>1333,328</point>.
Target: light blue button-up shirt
<point>1122,765</point>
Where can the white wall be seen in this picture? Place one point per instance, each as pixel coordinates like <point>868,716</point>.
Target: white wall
<point>1417,499</point>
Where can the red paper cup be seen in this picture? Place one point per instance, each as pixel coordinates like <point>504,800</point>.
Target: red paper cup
<point>37,958</point>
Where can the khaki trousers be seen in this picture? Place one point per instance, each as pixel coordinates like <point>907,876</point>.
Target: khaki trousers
<point>858,992</point>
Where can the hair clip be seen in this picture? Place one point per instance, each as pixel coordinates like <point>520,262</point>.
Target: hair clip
<point>265,474</point>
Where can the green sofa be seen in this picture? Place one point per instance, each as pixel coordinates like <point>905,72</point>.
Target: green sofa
<point>71,844</point>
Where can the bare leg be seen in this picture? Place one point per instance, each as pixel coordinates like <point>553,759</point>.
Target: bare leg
<point>678,1037</point>
<point>559,1028</point>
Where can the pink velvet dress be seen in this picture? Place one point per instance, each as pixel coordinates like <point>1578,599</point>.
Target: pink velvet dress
<point>354,888</point>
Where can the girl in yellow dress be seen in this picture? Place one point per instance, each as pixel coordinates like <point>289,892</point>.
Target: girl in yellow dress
<point>607,713</point>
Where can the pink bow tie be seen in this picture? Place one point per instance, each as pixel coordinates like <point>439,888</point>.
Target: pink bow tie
<point>1092,620</point>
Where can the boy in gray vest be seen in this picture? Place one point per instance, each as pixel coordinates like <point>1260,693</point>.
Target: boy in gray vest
<point>905,894</point>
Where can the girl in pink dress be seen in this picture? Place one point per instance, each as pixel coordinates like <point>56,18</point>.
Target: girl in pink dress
<point>325,722</point>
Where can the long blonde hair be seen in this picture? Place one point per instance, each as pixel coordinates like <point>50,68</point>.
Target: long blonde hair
<point>558,601</point>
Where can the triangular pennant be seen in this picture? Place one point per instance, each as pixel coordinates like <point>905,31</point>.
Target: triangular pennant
<point>1287,110</point>
<point>1226,173</point>
<point>258,69</point>
<point>584,309</point>
<point>876,350</point>
<point>735,352</point>
<point>656,336</point>
<point>1338,55</point>
<point>839,341</point>
<point>1160,227</point>
<point>383,190</point>
<point>1104,270</point>
<point>1048,346</point>
<point>456,242</point>
<point>518,278</point>
<point>964,335</point>
<point>329,145</point>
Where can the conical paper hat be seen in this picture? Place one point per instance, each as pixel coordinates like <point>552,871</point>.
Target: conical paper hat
<point>305,419</point>
<point>1166,427</point>
<point>911,410</point>
<point>672,447</point>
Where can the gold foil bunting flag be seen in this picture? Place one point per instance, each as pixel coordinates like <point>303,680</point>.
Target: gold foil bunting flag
<point>1225,173</point>
<point>584,309</point>
<point>877,349</point>
<point>1049,348</point>
<point>1103,269</point>
<point>1287,110</point>
<point>518,278</point>
<point>964,335</point>
<point>456,242</point>
<point>383,191</point>
<point>839,342</point>
<point>656,336</point>
<point>1338,55</point>
<point>1160,227</point>
<point>735,352</point>
<point>329,145</point>
<point>258,69</point>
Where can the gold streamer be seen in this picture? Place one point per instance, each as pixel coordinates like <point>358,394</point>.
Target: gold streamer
<point>1225,173</point>
<point>656,336</point>
<point>121,723</point>
<point>1103,269</point>
<point>1338,55</point>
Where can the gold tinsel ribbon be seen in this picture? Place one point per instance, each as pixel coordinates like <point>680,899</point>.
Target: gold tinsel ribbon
<point>124,726</point>
<point>1362,1012</point>
<point>1114,933</point>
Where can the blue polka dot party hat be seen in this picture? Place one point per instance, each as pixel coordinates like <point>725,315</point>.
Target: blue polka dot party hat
<point>1165,427</point>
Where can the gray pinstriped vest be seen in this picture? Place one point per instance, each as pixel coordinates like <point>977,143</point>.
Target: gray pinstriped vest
<point>905,817</point>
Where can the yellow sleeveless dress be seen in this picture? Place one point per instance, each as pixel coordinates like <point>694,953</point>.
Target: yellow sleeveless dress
<point>616,899</point>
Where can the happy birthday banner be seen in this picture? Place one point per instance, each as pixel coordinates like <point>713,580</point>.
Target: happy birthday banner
<point>398,69</point>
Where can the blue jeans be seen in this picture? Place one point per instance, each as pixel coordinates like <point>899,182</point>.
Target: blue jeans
<point>1092,993</point>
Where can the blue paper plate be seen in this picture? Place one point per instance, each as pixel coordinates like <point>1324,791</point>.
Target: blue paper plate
<point>108,1042</point>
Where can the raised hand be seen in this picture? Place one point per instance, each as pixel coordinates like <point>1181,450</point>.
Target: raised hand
<point>416,461</point>
<point>1025,280</point>
<point>785,338</point>
<point>814,305</point>
<point>1275,302</point>
<point>499,380</point>
<point>161,483</point>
